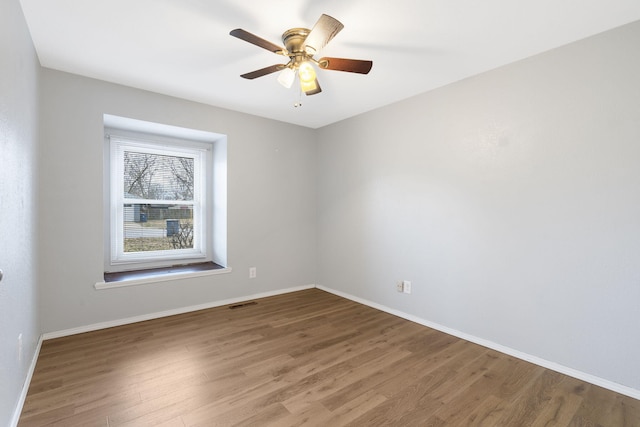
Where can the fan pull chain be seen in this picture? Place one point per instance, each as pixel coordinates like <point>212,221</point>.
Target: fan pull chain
<point>299,102</point>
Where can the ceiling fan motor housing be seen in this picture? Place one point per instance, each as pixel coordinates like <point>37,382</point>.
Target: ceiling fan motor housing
<point>293,40</point>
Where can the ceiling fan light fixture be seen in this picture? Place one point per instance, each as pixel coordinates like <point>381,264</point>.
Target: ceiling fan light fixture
<point>286,77</point>
<point>307,73</point>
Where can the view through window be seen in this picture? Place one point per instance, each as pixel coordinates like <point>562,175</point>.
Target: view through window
<point>158,226</point>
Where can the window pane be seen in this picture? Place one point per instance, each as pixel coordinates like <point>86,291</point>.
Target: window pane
<point>157,227</point>
<point>156,176</point>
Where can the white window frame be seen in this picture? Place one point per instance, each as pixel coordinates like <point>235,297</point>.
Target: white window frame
<point>197,152</point>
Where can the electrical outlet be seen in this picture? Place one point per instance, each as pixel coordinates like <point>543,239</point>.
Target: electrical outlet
<point>406,286</point>
<point>399,287</point>
<point>252,272</point>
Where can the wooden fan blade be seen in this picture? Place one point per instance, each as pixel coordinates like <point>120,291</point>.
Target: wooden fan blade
<point>263,71</point>
<point>322,32</point>
<point>348,65</point>
<point>317,89</point>
<point>253,39</point>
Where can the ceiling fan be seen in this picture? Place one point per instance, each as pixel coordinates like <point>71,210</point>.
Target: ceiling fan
<point>301,45</point>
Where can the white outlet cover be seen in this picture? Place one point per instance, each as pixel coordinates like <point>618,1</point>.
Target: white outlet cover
<point>406,287</point>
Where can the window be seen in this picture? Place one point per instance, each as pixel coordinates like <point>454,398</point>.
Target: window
<point>158,201</point>
<point>161,192</point>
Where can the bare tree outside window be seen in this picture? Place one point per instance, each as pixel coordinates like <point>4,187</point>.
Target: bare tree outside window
<point>159,177</point>
<point>139,171</point>
<point>182,170</point>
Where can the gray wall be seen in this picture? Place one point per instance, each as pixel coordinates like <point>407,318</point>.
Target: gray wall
<point>271,203</point>
<point>19,70</point>
<point>511,200</point>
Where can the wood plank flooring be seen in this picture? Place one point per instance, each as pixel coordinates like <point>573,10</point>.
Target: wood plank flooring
<point>305,358</point>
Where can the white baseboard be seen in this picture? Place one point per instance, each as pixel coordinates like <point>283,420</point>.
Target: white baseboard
<point>27,383</point>
<point>583,376</point>
<point>172,312</point>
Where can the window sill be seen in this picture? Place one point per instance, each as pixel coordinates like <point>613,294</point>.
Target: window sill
<point>142,277</point>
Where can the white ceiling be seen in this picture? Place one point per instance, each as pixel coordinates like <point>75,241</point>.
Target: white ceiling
<point>183,47</point>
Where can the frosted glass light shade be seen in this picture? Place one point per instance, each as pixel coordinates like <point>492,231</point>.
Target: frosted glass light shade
<point>286,77</point>
<point>308,86</point>
<point>306,72</point>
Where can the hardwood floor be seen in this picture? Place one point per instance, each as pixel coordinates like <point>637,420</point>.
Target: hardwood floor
<point>305,358</point>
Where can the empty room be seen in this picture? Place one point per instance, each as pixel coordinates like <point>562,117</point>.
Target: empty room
<point>363,213</point>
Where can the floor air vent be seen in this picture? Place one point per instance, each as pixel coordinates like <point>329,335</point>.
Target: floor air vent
<point>242,304</point>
